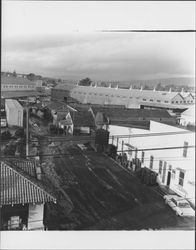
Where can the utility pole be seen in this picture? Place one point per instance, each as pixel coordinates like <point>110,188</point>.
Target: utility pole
<point>27,131</point>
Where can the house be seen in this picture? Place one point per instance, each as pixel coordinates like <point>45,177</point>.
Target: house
<point>83,121</point>
<point>167,150</point>
<point>23,196</point>
<point>14,113</point>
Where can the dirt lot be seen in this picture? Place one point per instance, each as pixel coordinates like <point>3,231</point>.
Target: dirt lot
<point>94,193</point>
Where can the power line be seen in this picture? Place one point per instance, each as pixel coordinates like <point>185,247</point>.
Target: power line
<point>90,137</point>
<point>147,149</point>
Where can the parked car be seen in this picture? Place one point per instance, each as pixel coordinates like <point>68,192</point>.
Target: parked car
<point>179,205</point>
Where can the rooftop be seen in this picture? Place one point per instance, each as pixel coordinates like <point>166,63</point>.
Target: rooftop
<point>82,118</point>
<point>13,104</point>
<point>16,80</point>
<point>18,187</point>
<point>17,94</point>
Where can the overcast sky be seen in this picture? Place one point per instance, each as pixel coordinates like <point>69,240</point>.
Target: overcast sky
<point>64,39</point>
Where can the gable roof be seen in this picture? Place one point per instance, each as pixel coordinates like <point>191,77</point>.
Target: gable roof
<point>18,188</point>
<point>82,118</point>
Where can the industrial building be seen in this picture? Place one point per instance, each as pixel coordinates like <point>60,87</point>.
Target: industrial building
<point>14,113</point>
<point>131,98</point>
<point>175,166</point>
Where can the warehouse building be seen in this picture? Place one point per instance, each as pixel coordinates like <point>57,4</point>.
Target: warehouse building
<point>175,167</point>
<point>131,98</point>
<point>14,113</point>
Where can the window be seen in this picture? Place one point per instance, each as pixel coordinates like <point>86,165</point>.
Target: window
<point>151,100</point>
<point>181,178</point>
<point>144,99</point>
<point>142,159</point>
<point>176,101</point>
<point>185,149</point>
<point>151,161</point>
<point>172,101</point>
<point>158,101</point>
<point>166,101</point>
<point>160,167</point>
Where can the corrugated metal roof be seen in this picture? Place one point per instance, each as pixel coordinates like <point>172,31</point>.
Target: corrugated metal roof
<point>27,166</point>
<point>16,80</point>
<point>17,188</point>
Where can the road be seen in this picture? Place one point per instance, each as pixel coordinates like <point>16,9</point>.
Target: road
<point>103,195</point>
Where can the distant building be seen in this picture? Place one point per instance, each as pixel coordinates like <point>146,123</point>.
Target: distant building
<point>175,167</point>
<point>131,98</point>
<point>10,83</point>
<point>14,113</point>
<point>23,196</point>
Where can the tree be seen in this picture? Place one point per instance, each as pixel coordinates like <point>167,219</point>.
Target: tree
<point>85,82</point>
<point>31,77</point>
<point>14,74</point>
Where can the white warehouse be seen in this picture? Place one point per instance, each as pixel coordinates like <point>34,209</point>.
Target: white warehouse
<point>14,113</point>
<point>175,167</point>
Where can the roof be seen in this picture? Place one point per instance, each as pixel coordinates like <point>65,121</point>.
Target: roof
<point>15,94</point>
<point>65,86</point>
<point>16,80</point>
<point>25,165</point>
<point>82,119</point>
<point>17,187</point>
<point>66,122</point>
<point>149,94</point>
<point>13,104</point>
<point>131,113</point>
<point>55,105</point>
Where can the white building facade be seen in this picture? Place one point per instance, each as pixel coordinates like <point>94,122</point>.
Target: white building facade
<point>175,167</point>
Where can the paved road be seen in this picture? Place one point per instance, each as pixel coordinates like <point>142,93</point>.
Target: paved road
<point>105,197</point>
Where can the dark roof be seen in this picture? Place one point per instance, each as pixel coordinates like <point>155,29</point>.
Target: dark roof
<point>56,105</point>
<point>132,113</point>
<point>17,187</point>
<point>82,118</point>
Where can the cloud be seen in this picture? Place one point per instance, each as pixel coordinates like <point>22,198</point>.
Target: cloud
<point>115,56</point>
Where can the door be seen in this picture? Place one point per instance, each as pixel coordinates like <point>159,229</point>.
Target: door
<point>168,178</point>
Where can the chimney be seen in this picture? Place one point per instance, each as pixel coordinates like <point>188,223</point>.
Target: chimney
<point>95,85</point>
<point>170,90</point>
<point>154,89</point>
<point>116,87</point>
<point>110,85</point>
<point>130,88</point>
<point>182,91</point>
<point>141,88</point>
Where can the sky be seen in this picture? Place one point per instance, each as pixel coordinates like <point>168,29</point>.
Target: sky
<point>65,39</point>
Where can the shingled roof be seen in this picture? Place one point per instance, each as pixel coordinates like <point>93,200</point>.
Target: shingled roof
<point>17,187</point>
